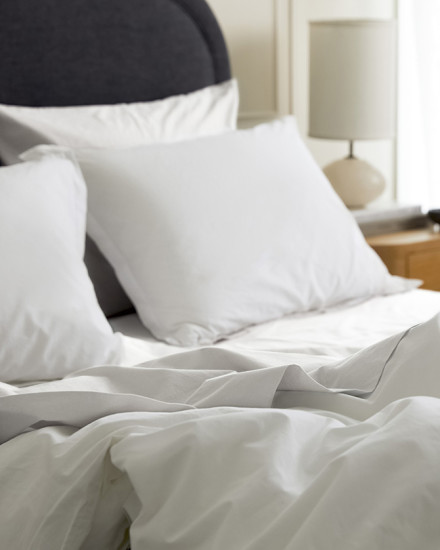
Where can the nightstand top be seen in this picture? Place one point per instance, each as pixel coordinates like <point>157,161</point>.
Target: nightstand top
<point>407,239</point>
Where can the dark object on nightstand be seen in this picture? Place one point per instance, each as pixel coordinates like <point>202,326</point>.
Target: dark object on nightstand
<point>434,215</point>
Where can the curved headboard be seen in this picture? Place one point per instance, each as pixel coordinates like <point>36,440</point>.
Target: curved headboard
<point>84,52</point>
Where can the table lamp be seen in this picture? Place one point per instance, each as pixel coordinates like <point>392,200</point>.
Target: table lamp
<point>352,97</point>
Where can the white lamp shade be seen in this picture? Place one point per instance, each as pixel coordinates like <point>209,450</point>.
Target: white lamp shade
<point>352,79</point>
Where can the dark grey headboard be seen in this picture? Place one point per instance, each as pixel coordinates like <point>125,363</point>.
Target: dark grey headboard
<point>82,52</point>
<point>86,52</point>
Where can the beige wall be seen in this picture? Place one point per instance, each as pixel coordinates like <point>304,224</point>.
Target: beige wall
<point>268,44</point>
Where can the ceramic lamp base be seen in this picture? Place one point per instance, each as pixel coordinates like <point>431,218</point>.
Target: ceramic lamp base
<point>355,181</point>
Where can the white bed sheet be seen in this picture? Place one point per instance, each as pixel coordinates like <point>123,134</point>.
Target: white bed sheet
<point>198,452</point>
<point>329,336</point>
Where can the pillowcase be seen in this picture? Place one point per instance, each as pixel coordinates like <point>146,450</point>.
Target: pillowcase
<point>50,322</point>
<point>208,111</point>
<point>211,235</point>
<point>211,110</point>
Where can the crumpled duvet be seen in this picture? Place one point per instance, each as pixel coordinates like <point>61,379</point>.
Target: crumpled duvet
<point>211,449</point>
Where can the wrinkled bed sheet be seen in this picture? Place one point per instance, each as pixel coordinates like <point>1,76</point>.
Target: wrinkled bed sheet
<point>188,451</point>
<point>334,334</point>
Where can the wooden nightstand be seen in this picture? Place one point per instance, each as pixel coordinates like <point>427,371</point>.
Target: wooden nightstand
<point>414,254</point>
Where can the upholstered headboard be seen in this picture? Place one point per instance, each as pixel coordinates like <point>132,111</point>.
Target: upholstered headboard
<point>81,52</point>
<point>56,53</point>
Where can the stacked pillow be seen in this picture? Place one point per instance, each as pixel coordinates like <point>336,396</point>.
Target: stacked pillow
<point>51,323</point>
<point>207,235</point>
<point>208,111</point>
<point>213,234</point>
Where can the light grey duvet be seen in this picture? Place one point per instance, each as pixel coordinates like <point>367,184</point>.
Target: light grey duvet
<point>215,449</point>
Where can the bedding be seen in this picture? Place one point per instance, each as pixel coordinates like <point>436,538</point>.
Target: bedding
<point>187,451</point>
<point>327,337</point>
<point>207,236</point>
<point>211,110</point>
<point>208,111</point>
<point>315,430</point>
<point>50,321</point>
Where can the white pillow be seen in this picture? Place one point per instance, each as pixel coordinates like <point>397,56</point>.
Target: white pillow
<point>50,321</point>
<point>208,111</point>
<point>211,110</point>
<point>211,235</point>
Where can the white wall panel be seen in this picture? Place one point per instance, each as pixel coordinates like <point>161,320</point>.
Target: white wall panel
<point>258,36</point>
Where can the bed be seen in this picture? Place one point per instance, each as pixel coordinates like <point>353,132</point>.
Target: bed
<point>220,372</point>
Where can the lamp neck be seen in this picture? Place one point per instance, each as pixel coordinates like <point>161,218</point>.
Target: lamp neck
<point>350,151</point>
